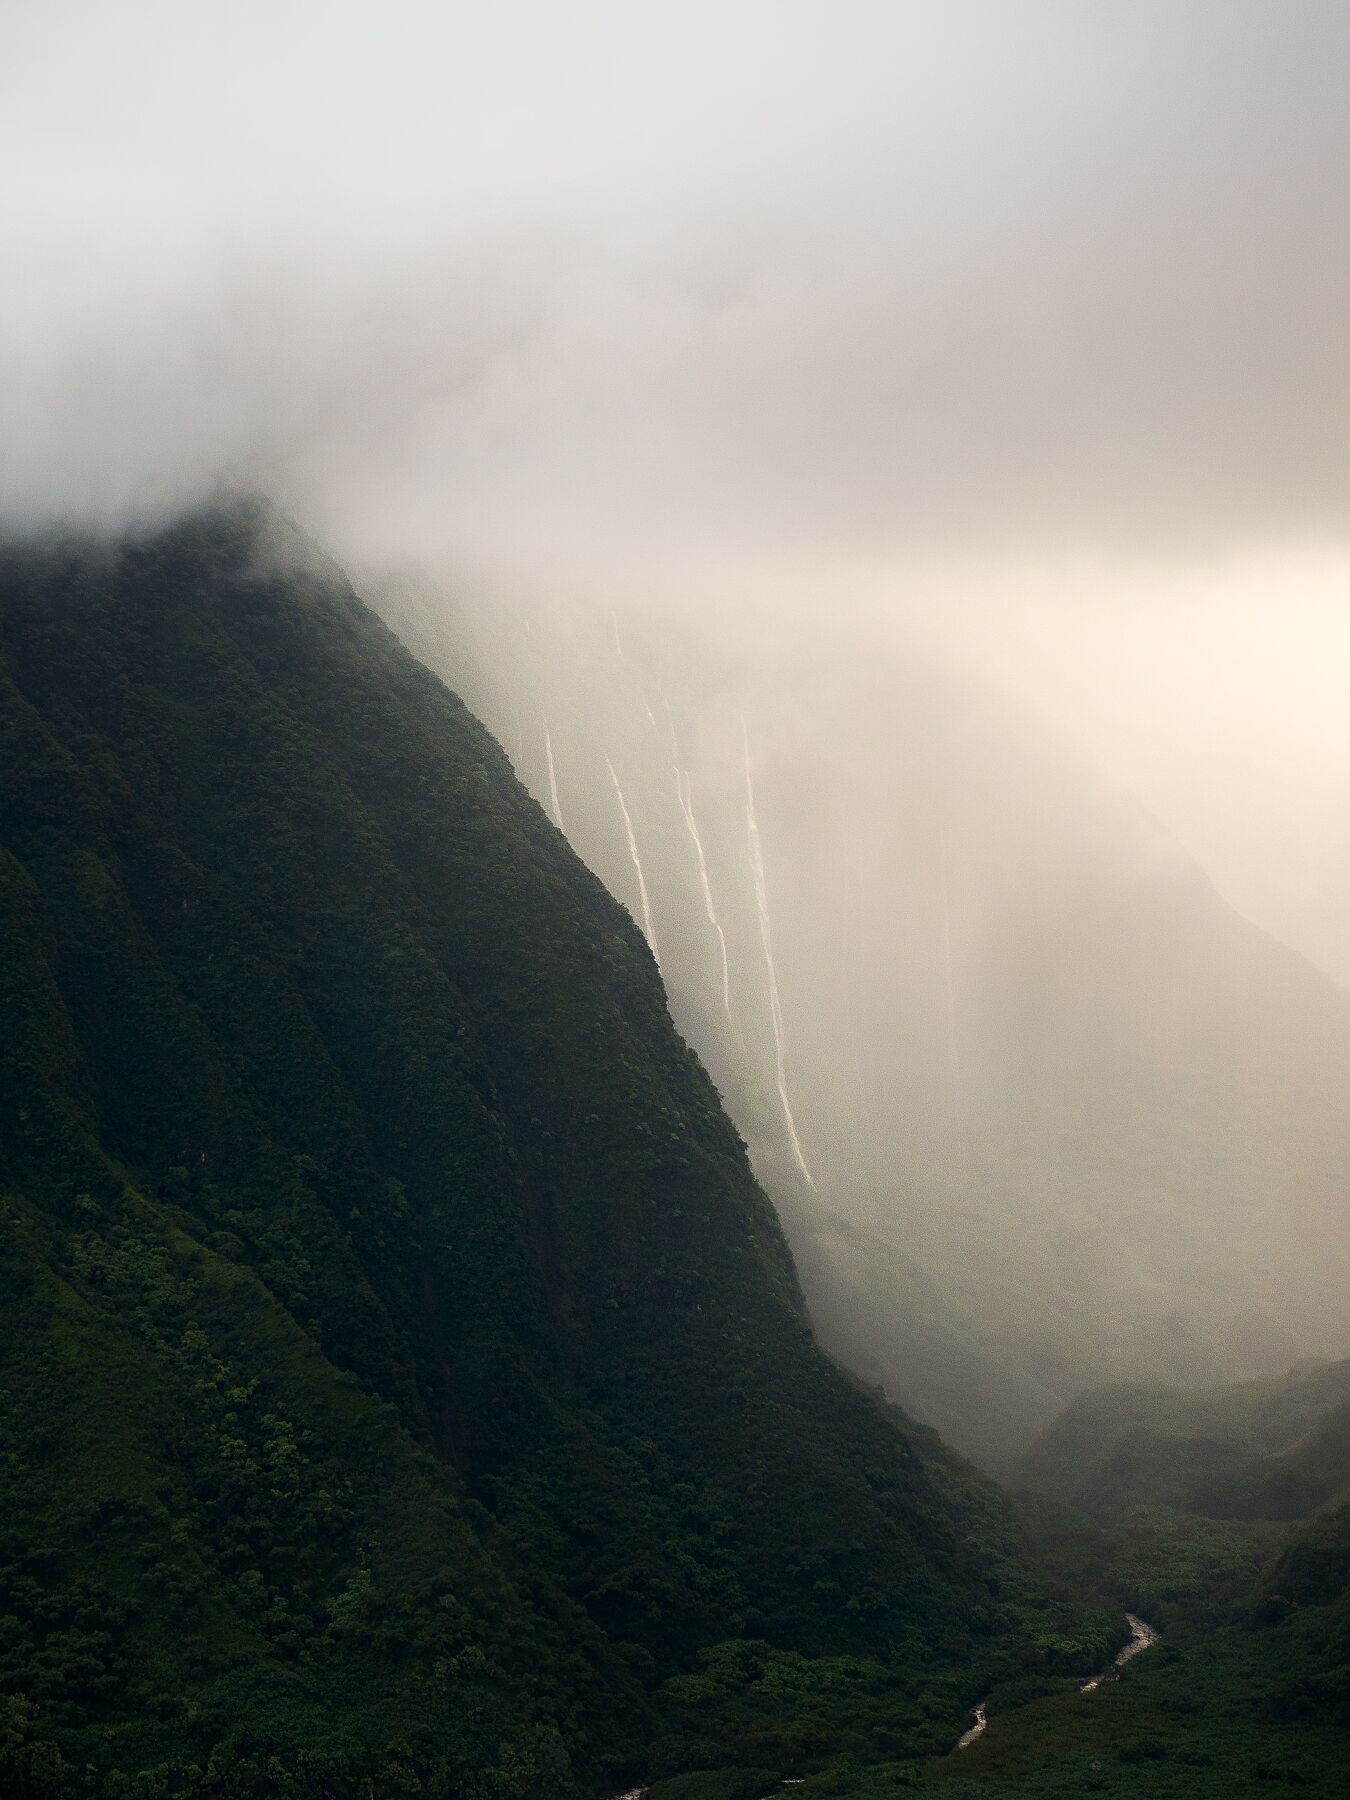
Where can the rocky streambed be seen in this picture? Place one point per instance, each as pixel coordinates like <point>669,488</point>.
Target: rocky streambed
<point>1142,1636</point>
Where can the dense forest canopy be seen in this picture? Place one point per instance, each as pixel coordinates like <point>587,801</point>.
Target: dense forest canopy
<point>407,1389</point>
<point>675,1084</point>
<point>407,1380</point>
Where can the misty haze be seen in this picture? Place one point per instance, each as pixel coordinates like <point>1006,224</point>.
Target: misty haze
<point>675,876</point>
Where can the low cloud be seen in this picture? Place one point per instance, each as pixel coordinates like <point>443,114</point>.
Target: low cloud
<point>746,282</point>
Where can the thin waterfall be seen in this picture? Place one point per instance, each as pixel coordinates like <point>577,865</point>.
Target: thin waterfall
<point>684,793</point>
<point>618,641</point>
<point>765,938</point>
<point>552,778</point>
<point>953,1037</point>
<point>647,927</point>
<point>687,807</point>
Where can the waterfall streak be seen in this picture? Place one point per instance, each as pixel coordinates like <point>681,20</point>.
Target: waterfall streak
<point>552,778</point>
<point>765,938</point>
<point>684,791</point>
<point>647,926</point>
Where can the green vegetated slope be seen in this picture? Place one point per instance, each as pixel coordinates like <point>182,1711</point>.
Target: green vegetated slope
<point>1249,1691</point>
<point>1246,1694</point>
<point>405,1387</point>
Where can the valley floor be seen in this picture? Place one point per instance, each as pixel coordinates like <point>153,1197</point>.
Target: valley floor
<point>1188,1721</point>
<point>1228,1703</point>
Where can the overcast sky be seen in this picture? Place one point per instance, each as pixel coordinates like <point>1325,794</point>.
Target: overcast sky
<point>1021,308</point>
<point>853,275</point>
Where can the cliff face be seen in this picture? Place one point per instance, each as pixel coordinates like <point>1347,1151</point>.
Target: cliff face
<point>1068,1118</point>
<point>405,1380</point>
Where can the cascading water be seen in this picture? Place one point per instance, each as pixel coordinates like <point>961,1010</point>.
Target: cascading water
<point>684,793</point>
<point>765,938</point>
<point>647,927</point>
<point>552,778</point>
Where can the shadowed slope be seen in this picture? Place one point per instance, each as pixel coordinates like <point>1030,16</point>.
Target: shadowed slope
<point>407,1373</point>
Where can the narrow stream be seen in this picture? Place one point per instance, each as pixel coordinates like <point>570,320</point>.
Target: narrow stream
<point>1142,1637</point>
<point>981,1720</point>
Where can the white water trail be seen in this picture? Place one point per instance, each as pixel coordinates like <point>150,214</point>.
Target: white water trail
<point>953,1035</point>
<point>552,778</point>
<point>618,641</point>
<point>684,793</point>
<point>765,938</point>
<point>1142,1637</point>
<point>980,1714</point>
<point>647,927</point>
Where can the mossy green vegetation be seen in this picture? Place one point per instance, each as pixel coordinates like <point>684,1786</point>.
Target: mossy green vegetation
<point>1248,1692</point>
<point>405,1388</point>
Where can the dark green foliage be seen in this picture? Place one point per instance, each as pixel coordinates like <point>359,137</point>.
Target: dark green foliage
<point>1313,1568</point>
<point>720,1784</point>
<point>405,1387</point>
<point>1249,1691</point>
<point>1194,1721</point>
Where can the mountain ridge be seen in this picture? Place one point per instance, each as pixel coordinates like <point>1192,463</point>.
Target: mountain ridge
<point>412,1384</point>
